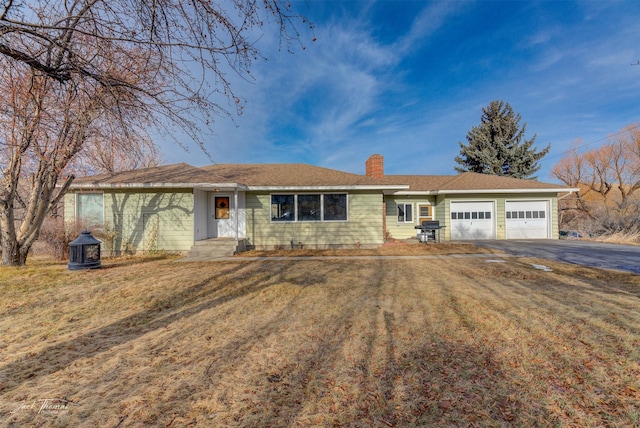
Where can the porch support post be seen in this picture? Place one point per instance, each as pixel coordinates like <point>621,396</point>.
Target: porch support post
<point>235,205</point>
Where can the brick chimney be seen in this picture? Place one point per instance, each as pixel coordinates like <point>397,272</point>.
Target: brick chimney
<point>375,166</point>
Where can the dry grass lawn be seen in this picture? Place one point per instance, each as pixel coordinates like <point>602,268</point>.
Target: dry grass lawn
<point>450,341</point>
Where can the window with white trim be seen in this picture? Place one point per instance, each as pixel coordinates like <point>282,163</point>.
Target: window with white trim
<point>405,213</point>
<point>309,207</point>
<point>90,208</point>
<point>334,207</point>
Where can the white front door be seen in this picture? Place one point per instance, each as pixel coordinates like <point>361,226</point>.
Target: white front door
<point>527,219</point>
<point>221,216</point>
<point>472,220</point>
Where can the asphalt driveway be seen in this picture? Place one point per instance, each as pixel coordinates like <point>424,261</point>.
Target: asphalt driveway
<point>594,254</point>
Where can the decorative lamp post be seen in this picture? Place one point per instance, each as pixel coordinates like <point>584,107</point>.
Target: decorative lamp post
<point>84,252</point>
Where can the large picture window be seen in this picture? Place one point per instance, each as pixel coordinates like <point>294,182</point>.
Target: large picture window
<point>309,207</point>
<point>90,208</point>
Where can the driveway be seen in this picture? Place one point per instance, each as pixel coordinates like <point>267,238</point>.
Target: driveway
<point>594,254</point>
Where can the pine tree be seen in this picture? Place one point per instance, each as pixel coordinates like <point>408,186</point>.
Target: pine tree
<point>498,147</point>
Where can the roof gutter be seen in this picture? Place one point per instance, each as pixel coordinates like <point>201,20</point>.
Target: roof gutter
<point>474,191</point>
<point>569,192</point>
<point>212,186</point>
<point>326,188</point>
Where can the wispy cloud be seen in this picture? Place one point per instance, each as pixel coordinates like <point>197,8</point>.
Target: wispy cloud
<point>409,84</point>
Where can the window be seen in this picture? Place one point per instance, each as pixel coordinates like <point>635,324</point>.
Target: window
<point>425,210</point>
<point>282,208</point>
<point>473,215</point>
<point>309,207</point>
<point>90,208</point>
<point>222,207</point>
<point>405,213</point>
<point>335,207</point>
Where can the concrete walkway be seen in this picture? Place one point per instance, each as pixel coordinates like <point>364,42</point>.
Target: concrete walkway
<point>435,256</point>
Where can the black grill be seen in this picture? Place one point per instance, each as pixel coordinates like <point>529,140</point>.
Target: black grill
<point>430,229</point>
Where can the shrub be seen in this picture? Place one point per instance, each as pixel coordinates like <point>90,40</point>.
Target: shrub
<point>56,235</point>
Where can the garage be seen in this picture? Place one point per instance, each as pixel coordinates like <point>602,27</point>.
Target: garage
<point>472,220</point>
<point>527,219</point>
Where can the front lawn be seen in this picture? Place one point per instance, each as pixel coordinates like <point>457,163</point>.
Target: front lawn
<point>450,341</point>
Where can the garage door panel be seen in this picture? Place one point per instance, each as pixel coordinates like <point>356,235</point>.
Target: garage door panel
<point>460,232</point>
<point>472,220</point>
<point>527,219</point>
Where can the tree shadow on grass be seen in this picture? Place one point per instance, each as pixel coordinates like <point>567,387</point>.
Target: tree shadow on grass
<point>185,303</point>
<point>391,379</point>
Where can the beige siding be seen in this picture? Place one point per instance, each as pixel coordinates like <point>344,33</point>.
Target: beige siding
<point>69,207</point>
<point>145,220</point>
<point>399,230</point>
<point>151,220</point>
<point>443,214</point>
<point>363,228</point>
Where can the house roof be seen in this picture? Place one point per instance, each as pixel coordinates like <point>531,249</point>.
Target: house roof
<point>255,176</point>
<point>177,173</point>
<point>307,177</point>
<point>470,182</point>
<point>290,175</point>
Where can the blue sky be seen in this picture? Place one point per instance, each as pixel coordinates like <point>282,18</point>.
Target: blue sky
<point>408,79</point>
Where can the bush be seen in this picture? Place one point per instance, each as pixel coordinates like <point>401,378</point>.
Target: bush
<point>56,235</point>
<point>601,219</point>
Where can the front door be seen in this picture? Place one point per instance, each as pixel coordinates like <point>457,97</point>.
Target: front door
<point>221,218</point>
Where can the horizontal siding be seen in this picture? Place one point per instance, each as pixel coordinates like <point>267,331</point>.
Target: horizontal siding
<point>151,220</point>
<point>443,214</point>
<point>69,212</point>
<point>405,230</point>
<point>364,225</point>
<point>144,220</point>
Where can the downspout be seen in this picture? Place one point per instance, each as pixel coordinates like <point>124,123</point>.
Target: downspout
<point>569,193</point>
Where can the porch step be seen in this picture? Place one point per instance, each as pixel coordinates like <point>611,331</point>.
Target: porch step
<point>214,248</point>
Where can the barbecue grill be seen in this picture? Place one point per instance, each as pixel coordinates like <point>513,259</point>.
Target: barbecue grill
<point>429,229</point>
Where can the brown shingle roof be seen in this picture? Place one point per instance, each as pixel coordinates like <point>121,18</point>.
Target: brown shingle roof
<point>468,181</point>
<point>255,175</point>
<point>475,181</point>
<point>171,174</point>
<point>276,175</point>
<point>303,175</point>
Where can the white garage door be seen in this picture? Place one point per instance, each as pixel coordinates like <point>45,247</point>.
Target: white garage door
<point>472,220</point>
<point>527,219</point>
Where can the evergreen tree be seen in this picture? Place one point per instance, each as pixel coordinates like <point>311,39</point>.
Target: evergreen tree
<point>498,147</point>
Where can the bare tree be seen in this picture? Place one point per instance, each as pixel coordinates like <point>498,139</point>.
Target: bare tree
<point>608,178</point>
<point>76,71</point>
<point>113,153</point>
